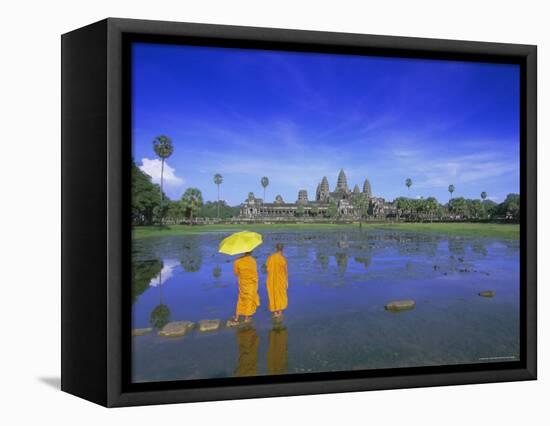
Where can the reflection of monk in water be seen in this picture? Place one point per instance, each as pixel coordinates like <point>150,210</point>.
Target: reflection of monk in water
<point>277,352</point>
<point>248,343</point>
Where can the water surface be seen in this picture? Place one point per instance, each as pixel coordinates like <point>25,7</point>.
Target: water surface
<point>339,282</point>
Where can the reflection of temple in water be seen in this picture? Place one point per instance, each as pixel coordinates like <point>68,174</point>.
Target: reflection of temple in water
<point>248,342</point>
<point>479,248</point>
<point>322,258</point>
<point>366,261</point>
<point>456,245</point>
<point>277,352</point>
<point>342,262</point>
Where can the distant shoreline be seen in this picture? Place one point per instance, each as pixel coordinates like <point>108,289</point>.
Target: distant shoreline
<point>491,230</point>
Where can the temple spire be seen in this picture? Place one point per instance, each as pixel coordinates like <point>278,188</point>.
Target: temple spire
<point>367,188</point>
<point>342,184</point>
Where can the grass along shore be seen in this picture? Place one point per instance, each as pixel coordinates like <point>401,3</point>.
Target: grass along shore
<point>494,230</point>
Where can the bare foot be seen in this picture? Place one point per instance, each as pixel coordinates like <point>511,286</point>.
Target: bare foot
<point>233,322</point>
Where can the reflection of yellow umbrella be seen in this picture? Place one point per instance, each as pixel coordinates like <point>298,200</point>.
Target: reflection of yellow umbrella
<point>240,242</point>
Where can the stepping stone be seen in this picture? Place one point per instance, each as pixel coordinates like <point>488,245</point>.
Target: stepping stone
<point>400,305</point>
<point>487,293</point>
<point>176,329</point>
<point>141,331</point>
<point>231,324</point>
<point>209,325</point>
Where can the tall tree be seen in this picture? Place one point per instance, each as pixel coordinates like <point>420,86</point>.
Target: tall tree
<point>192,201</point>
<point>510,206</point>
<point>145,197</point>
<point>451,189</point>
<point>361,204</point>
<point>218,179</point>
<point>408,183</point>
<point>314,211</point>
<point>431,206</point>
<point>163,147</point>
<point>332,210</point>
<point>459,207</point>
<point>475,208</point>
<point>265,182</point>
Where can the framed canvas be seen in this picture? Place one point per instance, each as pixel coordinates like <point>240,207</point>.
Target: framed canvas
<point>254,212</point>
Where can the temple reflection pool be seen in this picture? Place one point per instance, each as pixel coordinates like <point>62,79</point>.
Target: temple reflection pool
<point>339,282</point>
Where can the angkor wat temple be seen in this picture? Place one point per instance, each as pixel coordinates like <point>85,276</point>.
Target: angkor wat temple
<point>341,203</point>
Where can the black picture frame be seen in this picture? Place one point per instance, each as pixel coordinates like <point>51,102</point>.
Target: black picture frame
<point>96,231</point>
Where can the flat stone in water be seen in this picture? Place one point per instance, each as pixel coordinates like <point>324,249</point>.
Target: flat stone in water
<point>230,323</point>
<point>176,329</point>
<point>400,305</point>
<point>487,293</point>
<point>209,325</point>
<point>141,331</point>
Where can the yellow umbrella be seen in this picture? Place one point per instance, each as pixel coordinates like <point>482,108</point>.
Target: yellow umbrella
<point>240,242</point>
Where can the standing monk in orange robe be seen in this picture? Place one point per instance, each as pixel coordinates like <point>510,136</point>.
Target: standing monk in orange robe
<point>247,272</point>
<point>277,281</point>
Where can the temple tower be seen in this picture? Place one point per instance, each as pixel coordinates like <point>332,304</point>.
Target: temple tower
<point>342,184</point>
<point>324,190</point>
<point>367,189</point>
<point>302,197</point>
<point>356,189</point>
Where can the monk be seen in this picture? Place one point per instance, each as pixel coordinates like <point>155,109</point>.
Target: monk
<point>277,281</point>
<point>247,272</point>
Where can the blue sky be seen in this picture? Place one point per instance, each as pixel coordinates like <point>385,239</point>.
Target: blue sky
<point>296,117</point>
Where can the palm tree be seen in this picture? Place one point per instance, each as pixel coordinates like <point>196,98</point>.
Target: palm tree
<point>218,179</point>
<point>265,182</point>
<point>483,195</point>
<point>408,183</point>
<point>451,190</point>
<point>162,145</point>
<point>192,200</point>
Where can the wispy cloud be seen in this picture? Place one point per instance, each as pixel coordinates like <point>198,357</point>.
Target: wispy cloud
<point>433,170</point>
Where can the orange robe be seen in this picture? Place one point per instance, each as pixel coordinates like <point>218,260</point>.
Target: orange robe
<point>277,282</point>
<point>247,272</point>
